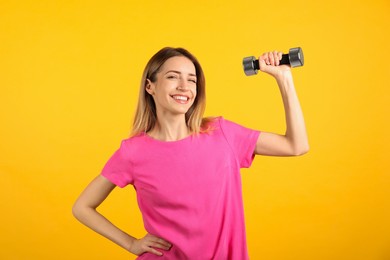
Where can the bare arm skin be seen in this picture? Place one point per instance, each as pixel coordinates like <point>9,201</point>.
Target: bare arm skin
<point>85,211</point>
<point>295,141</point>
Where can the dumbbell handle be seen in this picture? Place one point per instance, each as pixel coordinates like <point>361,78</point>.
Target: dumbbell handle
<point>284,61</point>
<point>294,58</point>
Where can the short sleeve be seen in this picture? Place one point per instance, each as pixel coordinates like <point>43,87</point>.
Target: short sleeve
<point>242,140</point>
<point>118,168</point>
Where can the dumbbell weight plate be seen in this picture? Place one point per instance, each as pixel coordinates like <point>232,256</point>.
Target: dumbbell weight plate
<point>250,67</point>
<point>295,56</point>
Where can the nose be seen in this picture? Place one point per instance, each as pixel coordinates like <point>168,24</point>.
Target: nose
<point>183,85</point>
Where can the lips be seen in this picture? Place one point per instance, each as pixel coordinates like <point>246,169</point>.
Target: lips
<point>181,98</point>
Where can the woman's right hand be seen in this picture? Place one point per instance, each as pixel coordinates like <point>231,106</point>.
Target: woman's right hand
<point>147,244</point>
<point>269,62</point>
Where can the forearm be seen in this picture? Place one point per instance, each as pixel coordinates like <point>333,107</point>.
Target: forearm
<point>295,124</point>
<point>97,222</point>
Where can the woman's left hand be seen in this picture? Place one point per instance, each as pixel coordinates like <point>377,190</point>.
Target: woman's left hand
<point>270,63</point>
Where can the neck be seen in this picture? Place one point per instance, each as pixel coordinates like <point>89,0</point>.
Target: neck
<point>170,128</point>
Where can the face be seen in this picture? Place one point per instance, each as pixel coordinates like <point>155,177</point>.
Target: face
<point>174,90</point>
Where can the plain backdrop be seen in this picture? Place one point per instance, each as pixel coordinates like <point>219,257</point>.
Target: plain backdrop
<point>69,80</point>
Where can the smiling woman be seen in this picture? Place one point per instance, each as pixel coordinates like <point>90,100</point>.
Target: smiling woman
<point>184,71</point>
<point>186,169</point>
<point>173,92</point>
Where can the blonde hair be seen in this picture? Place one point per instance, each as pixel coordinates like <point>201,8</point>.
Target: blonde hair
<point>146,116</point>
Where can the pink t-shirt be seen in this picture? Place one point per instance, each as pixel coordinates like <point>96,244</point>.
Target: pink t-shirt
<point>189,191</point>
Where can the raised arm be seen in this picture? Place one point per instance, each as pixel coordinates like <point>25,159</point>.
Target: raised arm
<point>294,142</point>
<point>85,211</point>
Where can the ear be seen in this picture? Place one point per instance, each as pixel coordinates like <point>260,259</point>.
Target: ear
<point>149,87</point>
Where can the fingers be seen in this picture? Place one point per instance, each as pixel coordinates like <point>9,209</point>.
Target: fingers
<point>271,58</point>
<point>151,243</point>
<point>154,251</point>
<point>160,243</point>
<point>269,63</point>
<point>280,54</point>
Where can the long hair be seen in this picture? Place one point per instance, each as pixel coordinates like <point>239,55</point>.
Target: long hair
<point>146,116</point>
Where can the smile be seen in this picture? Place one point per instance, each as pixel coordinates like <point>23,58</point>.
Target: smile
<point>181,99</point>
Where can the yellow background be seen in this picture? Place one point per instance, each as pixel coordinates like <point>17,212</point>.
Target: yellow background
<point>69,76</point>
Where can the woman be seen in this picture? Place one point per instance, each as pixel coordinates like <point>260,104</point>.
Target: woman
<point>184,168</point>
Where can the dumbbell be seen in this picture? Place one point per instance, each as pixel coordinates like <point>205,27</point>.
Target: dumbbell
<point>294,58</point>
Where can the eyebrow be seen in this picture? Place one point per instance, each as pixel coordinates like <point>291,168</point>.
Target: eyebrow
<point>178,72</point>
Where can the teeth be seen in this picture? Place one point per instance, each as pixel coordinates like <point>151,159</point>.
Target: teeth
<point>180,98</point>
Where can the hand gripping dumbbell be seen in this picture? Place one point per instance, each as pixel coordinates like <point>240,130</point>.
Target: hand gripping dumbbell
<point>294,58</point>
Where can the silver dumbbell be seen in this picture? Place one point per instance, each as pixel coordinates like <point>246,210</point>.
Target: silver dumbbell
<point>294,58</point>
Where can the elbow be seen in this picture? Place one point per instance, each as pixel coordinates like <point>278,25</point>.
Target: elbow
<point>299,151</point>
<point>82,211</point>
<point>76,211</point>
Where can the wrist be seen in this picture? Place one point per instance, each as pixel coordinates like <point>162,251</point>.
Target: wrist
<point>284,76</point>
<point>129,243</point>
<point>285,81</point>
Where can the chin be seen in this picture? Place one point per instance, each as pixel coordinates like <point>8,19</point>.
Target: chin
<point>182,112</point>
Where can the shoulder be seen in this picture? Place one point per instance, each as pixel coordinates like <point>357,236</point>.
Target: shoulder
<point>222,122</point>
<point>132,142</point>
<point>210,124</point>
<point>229,127</point>
<point>133,138</point>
